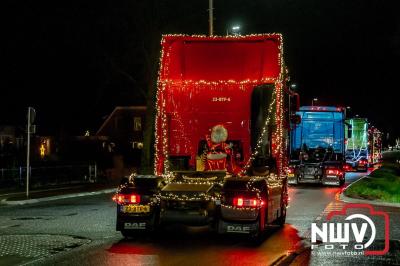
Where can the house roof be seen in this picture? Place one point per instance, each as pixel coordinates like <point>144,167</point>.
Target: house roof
<point>119,110</point>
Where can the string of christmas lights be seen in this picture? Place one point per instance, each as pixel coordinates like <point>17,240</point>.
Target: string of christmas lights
<point>161,146</point>
<point>264,131</point>
<point>364,142</point>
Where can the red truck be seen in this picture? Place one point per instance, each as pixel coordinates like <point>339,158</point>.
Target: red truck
<point>222,123</point>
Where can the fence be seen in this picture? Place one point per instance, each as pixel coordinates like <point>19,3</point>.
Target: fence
<point>48,176</point>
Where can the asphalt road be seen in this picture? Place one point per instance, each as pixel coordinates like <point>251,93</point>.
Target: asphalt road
<point>81,231</point>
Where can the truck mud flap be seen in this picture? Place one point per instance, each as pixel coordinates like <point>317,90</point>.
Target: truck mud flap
<point>136,223</point>
<point>237,228</point>
<point>292,180</point>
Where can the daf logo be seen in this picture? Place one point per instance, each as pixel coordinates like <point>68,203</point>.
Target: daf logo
<point>238,229</point>
<point>135,226</point>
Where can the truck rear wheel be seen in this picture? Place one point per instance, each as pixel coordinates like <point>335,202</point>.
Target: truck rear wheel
<point>256,236</point>
<point>282,219</point>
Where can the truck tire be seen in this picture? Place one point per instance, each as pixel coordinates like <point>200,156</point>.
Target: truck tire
<point>256,237</point>
<point>282,218</point>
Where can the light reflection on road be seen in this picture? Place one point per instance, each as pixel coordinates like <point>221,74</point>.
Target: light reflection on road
<point>202,247</point>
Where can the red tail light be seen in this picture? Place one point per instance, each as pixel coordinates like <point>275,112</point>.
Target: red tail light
<point>135,199</point>
<point>127,198</point>
<point>333,172</point>
<point>290,170</point>
<point>238,202</point>
<point>362,162</point>
<point>244,202</point>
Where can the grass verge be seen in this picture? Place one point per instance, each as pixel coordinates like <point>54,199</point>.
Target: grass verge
<point>383,184</point>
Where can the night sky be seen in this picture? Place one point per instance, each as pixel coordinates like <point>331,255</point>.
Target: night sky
<point>74,61</point>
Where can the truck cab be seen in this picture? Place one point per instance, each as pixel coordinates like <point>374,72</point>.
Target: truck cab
<point>221,130</point>
<point>317,152</point>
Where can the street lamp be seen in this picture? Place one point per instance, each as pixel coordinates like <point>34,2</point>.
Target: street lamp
<point>235,30</point>
<point>313,100</point>
<point>293,86</point>
<point>29,130</point>
<point>347,110</point>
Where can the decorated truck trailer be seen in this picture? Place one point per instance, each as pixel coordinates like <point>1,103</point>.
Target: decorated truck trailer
<point>363,146</point>
<point>221,135</point>
<point>374,145</point>
<point>318,146</point>
<point>357,148</point>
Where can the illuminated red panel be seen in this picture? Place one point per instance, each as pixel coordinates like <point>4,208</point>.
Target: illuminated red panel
<point>223,58</point>
<point>204,81</point>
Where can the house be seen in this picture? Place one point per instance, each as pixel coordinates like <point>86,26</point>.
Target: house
<point>12,145</point>
<point>123,130</point>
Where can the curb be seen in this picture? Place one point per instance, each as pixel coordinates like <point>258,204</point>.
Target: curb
<point>288,259</point>
<point>66,196</point>
<point>344,198</point>
<point>41,190</point>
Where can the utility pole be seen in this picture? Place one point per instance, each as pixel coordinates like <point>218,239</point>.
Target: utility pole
<point>313,100</point>
<point>31,118</point>
<point>210,17</point>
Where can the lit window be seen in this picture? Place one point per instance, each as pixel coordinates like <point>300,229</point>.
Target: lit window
<point>137,123</point>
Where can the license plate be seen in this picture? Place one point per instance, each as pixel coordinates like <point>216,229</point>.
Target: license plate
<point>331,183</point>
<point>290,175</point>
<point>135,208</point>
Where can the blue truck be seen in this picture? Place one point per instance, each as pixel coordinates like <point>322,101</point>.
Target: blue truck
<point>317,146</point>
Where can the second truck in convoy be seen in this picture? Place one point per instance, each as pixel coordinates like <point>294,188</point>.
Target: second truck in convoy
<point>317,149</point>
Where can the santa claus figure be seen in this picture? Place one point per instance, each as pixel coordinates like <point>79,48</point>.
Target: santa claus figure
<point>219,153</point>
